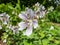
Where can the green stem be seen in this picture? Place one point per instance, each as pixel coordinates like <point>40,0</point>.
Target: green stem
<point>44,2</point>
<point>18,1</point>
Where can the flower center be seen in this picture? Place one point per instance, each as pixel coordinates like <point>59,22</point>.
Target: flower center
<point>30,21</point>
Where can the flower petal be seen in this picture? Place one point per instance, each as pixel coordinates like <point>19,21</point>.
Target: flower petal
<point>30,12</point>
<point>5,22</point>
<point>35,23</point>
<point>2,14</point>
<point>37,4</point>
<point>28,31</point>
<point>42,14</point>
<point>23,16</point>
<point>22,25</point>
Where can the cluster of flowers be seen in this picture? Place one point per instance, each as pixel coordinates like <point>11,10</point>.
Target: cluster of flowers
<point>29,19</point>
<point>57,2</point>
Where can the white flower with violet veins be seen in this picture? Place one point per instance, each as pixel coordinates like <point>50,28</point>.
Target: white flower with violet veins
<point>13,28</point>
<point>4,18</point>
<point>36,6</point>
<point>28,21</point>
<point>40,11</point>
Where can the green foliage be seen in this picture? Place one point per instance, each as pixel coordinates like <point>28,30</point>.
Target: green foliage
<point>54,16</point>
<point>58,8</point>
<point>41,36</point>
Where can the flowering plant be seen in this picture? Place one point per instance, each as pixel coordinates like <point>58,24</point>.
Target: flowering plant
<point>29,27</point>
